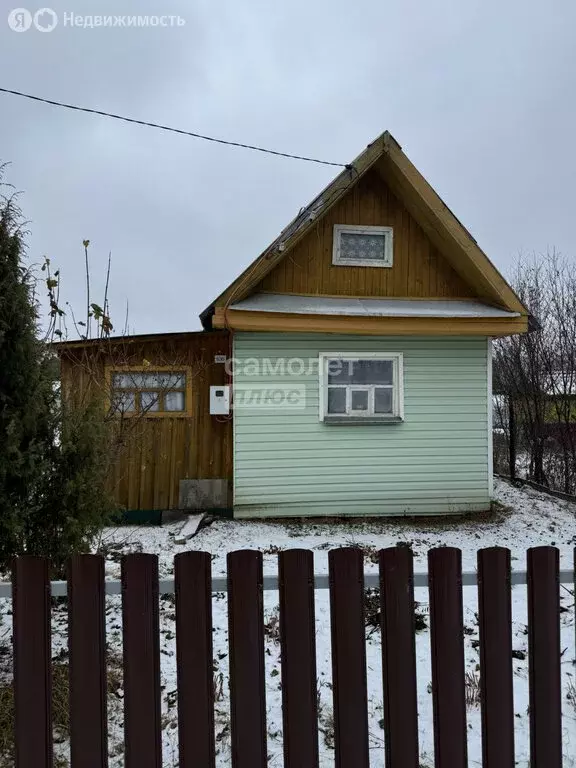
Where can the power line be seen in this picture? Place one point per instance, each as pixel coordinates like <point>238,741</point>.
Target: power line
<point>168,128</point>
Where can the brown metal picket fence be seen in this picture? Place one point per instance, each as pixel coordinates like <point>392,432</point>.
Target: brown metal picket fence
<point>193,598</point>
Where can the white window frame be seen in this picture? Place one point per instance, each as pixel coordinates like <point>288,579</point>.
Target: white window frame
<point>397,360</point>
<point>352,229</point>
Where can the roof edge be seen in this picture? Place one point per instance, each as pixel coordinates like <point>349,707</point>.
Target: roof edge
<point>62,346</point>
<point>303,221</point>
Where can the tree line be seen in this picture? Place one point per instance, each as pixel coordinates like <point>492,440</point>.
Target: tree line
<point>535,379</point>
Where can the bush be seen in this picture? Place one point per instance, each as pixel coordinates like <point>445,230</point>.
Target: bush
<point>53,460</point>
<point>74,503</point>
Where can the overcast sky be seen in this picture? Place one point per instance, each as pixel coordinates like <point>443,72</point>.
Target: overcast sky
<point>480,94</point>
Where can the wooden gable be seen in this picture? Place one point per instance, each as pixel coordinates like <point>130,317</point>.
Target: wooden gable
<point>434,258</point>
<point>419,270</point>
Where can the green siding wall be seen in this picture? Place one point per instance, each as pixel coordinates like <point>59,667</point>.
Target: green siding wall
<point>289,463</point>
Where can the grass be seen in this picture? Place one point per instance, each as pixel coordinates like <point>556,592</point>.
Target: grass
<point>372,612</point>
<point>326,725</point>
<point>60,714</point>
<point>571,693</point>
<point>272,625</point>
<point>60,707</point>
<point>472,683</point>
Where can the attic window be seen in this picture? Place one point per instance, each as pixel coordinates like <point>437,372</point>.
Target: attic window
<point>362,246</point>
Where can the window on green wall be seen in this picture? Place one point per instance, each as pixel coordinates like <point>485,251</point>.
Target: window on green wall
<point>367,388</point>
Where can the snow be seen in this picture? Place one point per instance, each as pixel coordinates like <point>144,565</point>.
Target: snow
<point>526,519</point>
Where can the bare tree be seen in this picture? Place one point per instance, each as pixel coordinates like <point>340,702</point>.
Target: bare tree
<point>83,379</point>
<point>535,373</point>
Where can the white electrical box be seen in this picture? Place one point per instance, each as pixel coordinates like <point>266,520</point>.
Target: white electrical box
<point>220,401</point>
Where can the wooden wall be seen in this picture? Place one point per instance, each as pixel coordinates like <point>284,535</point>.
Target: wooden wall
<point>154,454</point>
<point>419,270</point>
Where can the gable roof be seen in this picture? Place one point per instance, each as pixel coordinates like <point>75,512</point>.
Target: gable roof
<point>437,220</point>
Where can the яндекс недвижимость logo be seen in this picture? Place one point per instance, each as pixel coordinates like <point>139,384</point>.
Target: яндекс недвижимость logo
<point>21,19</point>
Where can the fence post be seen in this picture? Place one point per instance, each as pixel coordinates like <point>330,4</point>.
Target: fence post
<point>141,632</point>
<point>399,657</point>
<point>246,646</point>
<point>87,653</point>
<point>496,681</point>
<point>544,657</point>
<point>298,649</point>
<point>192,578</point>
<point>346,572</point>
<point>447,645</point>
<point>32,663</point>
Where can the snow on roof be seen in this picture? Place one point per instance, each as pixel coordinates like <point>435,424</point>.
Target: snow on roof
<point>324,305</point>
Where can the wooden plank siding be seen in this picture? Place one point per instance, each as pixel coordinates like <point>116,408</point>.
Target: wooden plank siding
<point>156,453</point>
<point>419,270</point>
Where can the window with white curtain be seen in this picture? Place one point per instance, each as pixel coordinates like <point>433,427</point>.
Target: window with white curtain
<point>357,388</point>
<point>148,392</point>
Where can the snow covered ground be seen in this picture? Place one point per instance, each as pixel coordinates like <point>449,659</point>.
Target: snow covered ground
<point>526,519</point>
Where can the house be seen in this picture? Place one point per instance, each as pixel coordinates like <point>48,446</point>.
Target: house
<point>357,348</point>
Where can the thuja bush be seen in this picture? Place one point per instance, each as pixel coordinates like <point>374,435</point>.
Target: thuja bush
<point>54,459</point>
